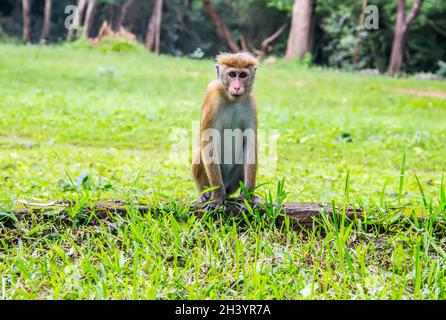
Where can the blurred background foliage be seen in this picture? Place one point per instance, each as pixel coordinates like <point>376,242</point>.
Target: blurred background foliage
<point>186,28</point>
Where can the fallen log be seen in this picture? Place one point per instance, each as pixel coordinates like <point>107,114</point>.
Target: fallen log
<point>299,214</point>
<point>305,213</point>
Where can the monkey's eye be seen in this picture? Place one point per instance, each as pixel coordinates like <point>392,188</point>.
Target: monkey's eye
<point>243,75</point>
<point>232,74</point>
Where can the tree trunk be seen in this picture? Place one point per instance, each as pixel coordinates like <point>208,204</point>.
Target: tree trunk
<point>402,27</point>
<point>358,32</point>
<point>46,21</point>
<point>222,30</point>
<point>398,46</point>
<point>123,13</point>
<point>26,20</point>
<point>114,9</point>
<point>77,18</point>
<point>154,28</point>
<point>89,17</point>
<point>299,40</point>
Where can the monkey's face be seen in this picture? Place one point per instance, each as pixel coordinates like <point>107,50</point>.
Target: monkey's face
<point>237,81</point>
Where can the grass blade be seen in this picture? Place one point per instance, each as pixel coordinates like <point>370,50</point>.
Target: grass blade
<point>403,168</point>
<point>423,196</point>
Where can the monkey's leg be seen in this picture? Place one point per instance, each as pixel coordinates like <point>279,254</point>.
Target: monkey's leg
<point>249,172</point>
<point>249,167</point>
<point>201,179</point>
<point>213,173</point>
<point>202,184</point>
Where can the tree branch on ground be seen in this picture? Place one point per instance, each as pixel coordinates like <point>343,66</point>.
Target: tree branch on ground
<point>299,214</point>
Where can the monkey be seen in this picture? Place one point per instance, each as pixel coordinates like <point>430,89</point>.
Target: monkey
<point>229,111</point>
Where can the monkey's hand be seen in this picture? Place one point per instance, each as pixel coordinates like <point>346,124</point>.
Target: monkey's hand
<point>212,205</point>
<point>207,204</point>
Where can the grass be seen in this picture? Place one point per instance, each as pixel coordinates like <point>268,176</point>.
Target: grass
<point>82,125</point>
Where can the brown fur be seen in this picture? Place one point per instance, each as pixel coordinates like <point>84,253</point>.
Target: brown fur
<point>217,99</point>
<point>238,60</point>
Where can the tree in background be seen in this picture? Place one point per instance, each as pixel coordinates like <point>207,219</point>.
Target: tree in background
<point>46,21</point>
<point>220,26</point>
<point>188,28</point>
<point>78,14</point>
<point>402,27</point>
<point>358,32</point>
<point>153,34</point>
<point>300,39</point>
<point>118,12</point>
<point>123,12</point>
<point>89,16</point>
<point>245,43</point>
<point>26,20</point>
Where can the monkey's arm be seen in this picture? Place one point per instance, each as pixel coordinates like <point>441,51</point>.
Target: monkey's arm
<point>211,163</point>
<point>250,169</point>
<point>250,155</point>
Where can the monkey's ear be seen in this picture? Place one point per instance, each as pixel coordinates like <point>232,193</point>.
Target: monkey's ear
<point>218,70</point>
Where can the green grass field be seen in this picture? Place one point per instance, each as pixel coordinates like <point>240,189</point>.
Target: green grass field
<point>82,124</point>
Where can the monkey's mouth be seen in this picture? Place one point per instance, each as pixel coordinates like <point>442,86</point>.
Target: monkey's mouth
<point>236,95</point>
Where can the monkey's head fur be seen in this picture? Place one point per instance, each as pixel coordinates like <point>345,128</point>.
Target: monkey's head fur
<point>236,73</point>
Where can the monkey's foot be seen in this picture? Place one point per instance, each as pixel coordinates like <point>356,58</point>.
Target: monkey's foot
<point>204,197</point>
<point>207,204</point>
